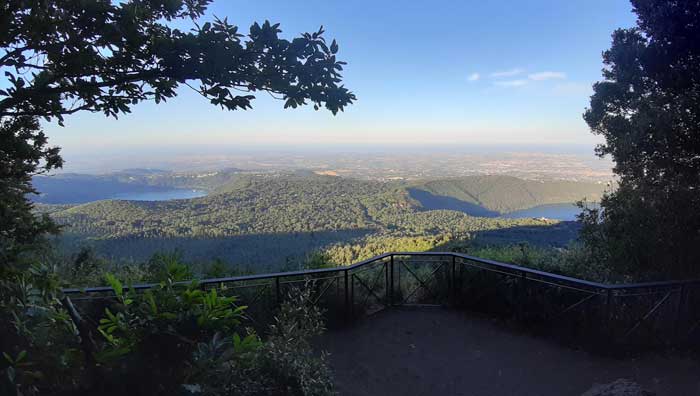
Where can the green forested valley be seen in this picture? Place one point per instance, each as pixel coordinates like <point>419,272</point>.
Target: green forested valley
<point>272,221</point>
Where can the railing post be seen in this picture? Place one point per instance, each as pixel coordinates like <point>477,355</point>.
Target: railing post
<point>278,295</point>
<point>391,280</point>
<point>608,316</point>
<point>679,314</point>
<point>521,295</point>
<point>387,297</point>
<point>352,296</point>
<point>347,297</point>
<point>398,281</point>
<point>453,280</point>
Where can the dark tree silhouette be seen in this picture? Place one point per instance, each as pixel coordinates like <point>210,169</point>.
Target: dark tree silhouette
<point>23,154</point>
<point>648,110</point>
<point>63,56</point>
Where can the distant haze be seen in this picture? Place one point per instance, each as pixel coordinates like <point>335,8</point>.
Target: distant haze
<point>474,77</point>
<point>529,161</point>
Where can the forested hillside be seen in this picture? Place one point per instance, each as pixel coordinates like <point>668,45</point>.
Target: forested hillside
<point>268,221</point>
<point>501,194</point>
<point>252,204</point>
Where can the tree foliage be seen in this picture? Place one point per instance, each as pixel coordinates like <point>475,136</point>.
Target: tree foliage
<point>648,110</point>
<point>64,56</point>
<point>24,153</point>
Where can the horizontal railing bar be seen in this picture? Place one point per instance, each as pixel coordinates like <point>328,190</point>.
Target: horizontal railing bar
<point>104,289</point>
<point>363,270</point>
<point>242,278</point>
<point>249,285</point>
<point>649,293</point>
<point>563,286</point>
<point>494,270</point>
<point>533,271</point>
<point>314,279</point>
<point>512,267</point>
<point>564,277</point>
<point>671,283</point>
<point>509,266</point>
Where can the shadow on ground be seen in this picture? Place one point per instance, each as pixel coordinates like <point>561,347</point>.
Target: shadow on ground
<point>434,351</point>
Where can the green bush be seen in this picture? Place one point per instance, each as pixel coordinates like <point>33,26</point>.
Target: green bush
<point>175,338</point>
<point>149,337</point>
<point>38,347</point>
<point>576,260</point>
<point>169,265</point>
<point>284,364</point>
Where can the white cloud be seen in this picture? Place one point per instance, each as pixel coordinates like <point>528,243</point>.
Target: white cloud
<point>510,83</point>
<point>474,77</point>
<point>547,75</point>
<point>507,73</point>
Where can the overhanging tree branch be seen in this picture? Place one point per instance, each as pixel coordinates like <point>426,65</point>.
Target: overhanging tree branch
<point>80,62</point>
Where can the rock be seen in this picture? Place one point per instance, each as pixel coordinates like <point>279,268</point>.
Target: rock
<point>620,387</point>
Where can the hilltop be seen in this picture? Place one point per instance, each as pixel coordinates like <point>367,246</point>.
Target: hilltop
<point>501,194</point>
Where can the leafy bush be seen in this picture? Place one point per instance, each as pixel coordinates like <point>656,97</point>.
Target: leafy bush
<point>169,265</point>
<point>149,337</point>
<point>285,364</point>
<point>318,260</point>
<point>287,358</point>
<point>37,338</point>
<point>176,338</point>
<point>216,269</point>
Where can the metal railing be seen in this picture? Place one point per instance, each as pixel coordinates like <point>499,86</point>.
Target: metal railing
<point>640,314</point>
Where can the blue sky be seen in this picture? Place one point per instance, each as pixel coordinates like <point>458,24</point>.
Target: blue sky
<point>425,72</point>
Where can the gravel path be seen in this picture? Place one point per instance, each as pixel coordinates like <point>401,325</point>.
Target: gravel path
<point>433,351</point>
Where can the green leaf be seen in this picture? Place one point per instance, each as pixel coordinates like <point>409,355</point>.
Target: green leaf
<point>8,358</point>
<point>114,284</point>
<point>152,303</point>
<point>11,374</point>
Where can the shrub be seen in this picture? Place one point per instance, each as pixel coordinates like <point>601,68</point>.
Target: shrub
<point>284,364</point>
<point>287,358</point>
<point>169,265</point>
<point>38,348</point>
<point>149,337</point>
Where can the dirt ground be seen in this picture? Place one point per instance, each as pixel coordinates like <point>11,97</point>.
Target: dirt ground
<point>434,351</point>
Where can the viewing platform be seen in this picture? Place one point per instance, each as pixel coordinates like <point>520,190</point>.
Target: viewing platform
<point>421,323</point>
<point>652,315</point>
<point>435,351</point>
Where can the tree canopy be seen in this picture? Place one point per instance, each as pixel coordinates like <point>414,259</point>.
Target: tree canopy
<point>648,110</point>
<point>24,154</point>
<point>65,56</point>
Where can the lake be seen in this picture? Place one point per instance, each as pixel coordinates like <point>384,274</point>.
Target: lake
<point>560,211</point>
<point>165,195</point>
<point>566,211</point>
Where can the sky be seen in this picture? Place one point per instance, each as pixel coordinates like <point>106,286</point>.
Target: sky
<point>425,73</point>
